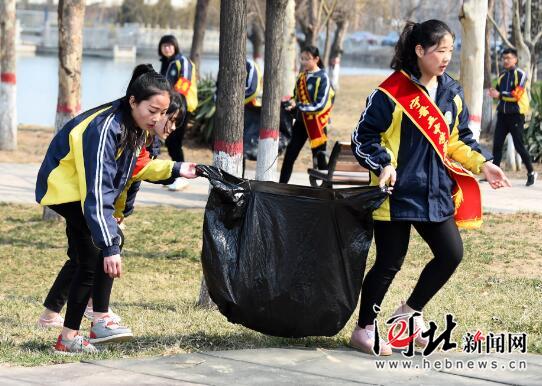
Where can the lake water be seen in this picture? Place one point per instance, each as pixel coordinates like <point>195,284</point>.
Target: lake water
<point>103,80</point>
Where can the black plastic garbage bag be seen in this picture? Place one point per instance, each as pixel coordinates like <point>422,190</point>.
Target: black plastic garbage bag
<point>286,260</point>
<point>251,132</point>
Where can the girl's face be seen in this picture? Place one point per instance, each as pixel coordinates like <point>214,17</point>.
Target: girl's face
<point>148,113</point>
<point>167,49</point>
<point>309,62</point>
<point>434,60</point>
<point>166,126</point>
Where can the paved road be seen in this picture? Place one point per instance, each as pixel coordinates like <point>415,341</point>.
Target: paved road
<point>17,183</point>
<point>285,366</point>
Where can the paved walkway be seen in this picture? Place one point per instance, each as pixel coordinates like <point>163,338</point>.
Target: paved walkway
<point>274,366</point>
<point>286,366</point>
<point>17,182</point>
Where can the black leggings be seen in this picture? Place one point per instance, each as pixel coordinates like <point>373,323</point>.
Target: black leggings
<point>391,239</point>
<point>299,137</point>
<point>82,274</point>
<point>513,124</point>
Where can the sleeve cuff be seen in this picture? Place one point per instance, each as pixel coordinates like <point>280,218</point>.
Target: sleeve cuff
<point>176,170</point>
<point>110,251</point>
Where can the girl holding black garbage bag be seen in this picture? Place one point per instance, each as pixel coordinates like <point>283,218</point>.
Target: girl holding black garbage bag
<point>414,136</point>
<point>85,169</point>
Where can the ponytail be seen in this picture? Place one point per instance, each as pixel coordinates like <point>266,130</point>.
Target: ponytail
<point>426,34</point>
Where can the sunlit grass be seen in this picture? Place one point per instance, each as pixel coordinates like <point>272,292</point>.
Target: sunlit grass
<point>498,287</point>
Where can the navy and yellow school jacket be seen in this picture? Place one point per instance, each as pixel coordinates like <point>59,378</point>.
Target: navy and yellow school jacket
<point>385,135</point>
<point>253,83</point>
<point>85,163</point>
<point>320,92</point>
<point>181,74</point>
<point>511,85</point>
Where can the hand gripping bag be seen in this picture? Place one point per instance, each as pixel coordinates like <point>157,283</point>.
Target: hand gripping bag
<point>286,260</point>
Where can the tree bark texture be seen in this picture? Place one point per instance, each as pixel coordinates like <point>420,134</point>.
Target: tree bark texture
<point>289,51</point>
<point>228,135</point>
<point>487,106</point>
<point>70,52</point>
<point>200,24</point>
<point>266,165</point>
<point>473,15</point>
<point>8,78</point>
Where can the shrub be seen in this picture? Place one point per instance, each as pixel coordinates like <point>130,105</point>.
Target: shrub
<point>533,134</point>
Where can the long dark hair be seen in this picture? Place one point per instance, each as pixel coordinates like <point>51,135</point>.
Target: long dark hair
<point>178,103</point>
<point>426,34</point>
<point>314,53</point>
<point>145,84</point>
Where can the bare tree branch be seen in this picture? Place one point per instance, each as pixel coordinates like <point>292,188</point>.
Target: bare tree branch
<point>502,34</point>
<point>329,11</point>
<point>258,12</point>
<point>537,38</point>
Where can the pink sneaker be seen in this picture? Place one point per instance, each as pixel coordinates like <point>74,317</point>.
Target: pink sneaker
<point>363,339</point>
<point>404,312</point>
<point>56,322</point>
<point>89,314</point>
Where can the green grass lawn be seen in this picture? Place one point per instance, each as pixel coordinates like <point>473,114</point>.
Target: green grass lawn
<point>497,288</point>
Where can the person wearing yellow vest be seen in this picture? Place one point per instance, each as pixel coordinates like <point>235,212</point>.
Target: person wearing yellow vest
<point>513,105</point>
<point>181,74</point>
<point>313,100</point>
<point>414,136</point>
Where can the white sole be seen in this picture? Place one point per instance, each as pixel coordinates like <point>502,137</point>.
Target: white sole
<point>113,338</point>
<point>69,354</point>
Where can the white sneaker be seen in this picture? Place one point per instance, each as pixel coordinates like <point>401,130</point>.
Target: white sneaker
<point>179,184</point>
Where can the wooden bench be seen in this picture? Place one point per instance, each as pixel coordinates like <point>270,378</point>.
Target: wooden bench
<point>343,169</point>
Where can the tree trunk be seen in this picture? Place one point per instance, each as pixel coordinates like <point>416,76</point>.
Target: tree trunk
<point>487,106</point>
<point>70,51</point>
<point>327,43</point>
<point>257,38</point>
<point>473,16</point>
<point>336,52</point>
<point>229,117</point>
<point>289,51</point>
<point>524,54</point>
<point>311,34</point>
<point>8,79</point>
<point>270,120</point>
<point>510,155</point>
<point>200,24</point>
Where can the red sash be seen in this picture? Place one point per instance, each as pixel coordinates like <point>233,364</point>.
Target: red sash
<point>316,122</point>
<point>428,118</point>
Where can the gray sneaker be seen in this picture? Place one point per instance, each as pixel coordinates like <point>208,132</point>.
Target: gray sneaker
<point>77,345</point>
<point>107,330</point>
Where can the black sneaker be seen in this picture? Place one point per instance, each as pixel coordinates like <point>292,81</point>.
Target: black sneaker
<point>531,178</point>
